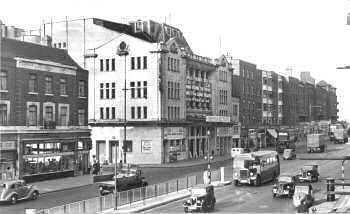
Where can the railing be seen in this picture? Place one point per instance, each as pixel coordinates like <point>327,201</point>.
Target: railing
<point>101,203</point>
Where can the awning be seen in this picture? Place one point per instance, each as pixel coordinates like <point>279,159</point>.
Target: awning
<point>272,132</point>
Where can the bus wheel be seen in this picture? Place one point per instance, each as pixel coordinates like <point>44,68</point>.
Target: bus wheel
<point>257,181</point>
<point>236,182</point>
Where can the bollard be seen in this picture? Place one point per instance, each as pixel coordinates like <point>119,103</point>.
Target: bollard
<point>330,188</point>
<point>155,190</point>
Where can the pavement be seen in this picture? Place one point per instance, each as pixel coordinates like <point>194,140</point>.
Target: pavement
<point>62,184</point>
<point>151,203</point>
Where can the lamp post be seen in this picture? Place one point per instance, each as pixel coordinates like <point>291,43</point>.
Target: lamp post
<point>123,50</point>
<point>208,157</point>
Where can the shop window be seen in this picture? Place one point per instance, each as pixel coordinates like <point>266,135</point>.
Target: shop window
<point>101,150</point>
<point>128,146</point>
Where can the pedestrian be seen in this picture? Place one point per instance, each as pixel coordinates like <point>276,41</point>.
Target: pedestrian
<point>98,167</point>
<point>94,168</point>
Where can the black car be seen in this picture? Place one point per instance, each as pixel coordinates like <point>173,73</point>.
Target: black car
<point>202,199</point>
<point>308,173</point>
<point>284,186</point>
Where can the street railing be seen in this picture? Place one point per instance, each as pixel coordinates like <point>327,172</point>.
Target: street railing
<point>101,203</point>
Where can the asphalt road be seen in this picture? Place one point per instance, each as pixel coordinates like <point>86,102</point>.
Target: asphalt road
<point>152,175</point>
<point>259,199</point>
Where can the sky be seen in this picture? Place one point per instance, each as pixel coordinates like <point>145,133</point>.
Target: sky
<point>307,35</point>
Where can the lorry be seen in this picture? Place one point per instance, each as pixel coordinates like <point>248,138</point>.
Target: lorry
<point>338,133</point>
<point>284,142</point>
<point>316,142</point>
<point>127,178</point>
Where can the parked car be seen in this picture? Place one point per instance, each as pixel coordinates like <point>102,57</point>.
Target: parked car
<point>303,197</point>
<point>202,199</point>
<point>284,186</point>
<point>13,191</point>
<point>308,173</point>
<point>289,154</point>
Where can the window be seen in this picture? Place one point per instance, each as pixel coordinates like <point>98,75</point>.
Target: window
<point>107,113</point>
<point>64,45</point>
<point>107,64</point>
<point>101,90</point>
<point>81,117</point>
<point>138,62</point>
<point>48,85</point>
<point>101,64</point>
<point>32,115</point>
<point>128,146</point>
<point>145,112</point>
<point>178,65</point>
<point>235,110</point>
<point>113,112</point>
<point>113,90</point>
<point>101,113</point>
<point>169,63</point>
<point>113,64</point>
<point>138,89</point>
<point>3,114</point>
<point>59,45</point>
<point>132,63</point>
<point>132,89</point>
<point>107,90</point>
<point>144,89</point>
<point>145,62</point>
<point>169,97</point>
<point>138,112</point>
<point>63,87</point>
<point>132,112</point>
<point>49,113</point>
<point>63,117</point>
<point>81,89</point>
<point>32,85</point>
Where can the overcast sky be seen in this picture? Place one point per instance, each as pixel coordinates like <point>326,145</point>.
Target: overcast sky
<point>307,35</point>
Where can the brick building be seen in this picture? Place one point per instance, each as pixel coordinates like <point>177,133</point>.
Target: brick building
<point>43,113</point>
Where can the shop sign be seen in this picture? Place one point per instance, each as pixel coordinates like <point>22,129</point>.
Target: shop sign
<point>173,133</point>
<point>146,146</point>
<point>48,155</point>
<point>218,119</point>
<point>224,131</point>
<point>7,145</point>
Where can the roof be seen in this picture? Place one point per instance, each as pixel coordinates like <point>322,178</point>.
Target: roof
<point>11,48</point>
<point>122,28</point>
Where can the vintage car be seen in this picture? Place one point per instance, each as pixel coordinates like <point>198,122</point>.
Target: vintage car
<point>303,197</point>
<point>202,199</point>
<point>284,186</point>
<point>308,173</point>
<point>13,191</point>
<point>289,154</point>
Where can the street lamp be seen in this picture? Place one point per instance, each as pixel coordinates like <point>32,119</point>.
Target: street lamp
<point>208,157</point>
<point>123,50</point>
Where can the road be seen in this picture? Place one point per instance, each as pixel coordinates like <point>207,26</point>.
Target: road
<point>152,175</point>
<point>259,199</point>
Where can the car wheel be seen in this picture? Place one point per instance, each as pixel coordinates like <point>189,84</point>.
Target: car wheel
<point>236,183</point>
<point>186,210</point>
<point>273,195</point>
<point>35,195</point>
<point>13,199</point>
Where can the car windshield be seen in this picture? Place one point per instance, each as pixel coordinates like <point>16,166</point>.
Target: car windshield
<point>2,186</point>
<point>286,179</point>
<point>302,189</point>
<point>241,163</point>
<point>308,167</point>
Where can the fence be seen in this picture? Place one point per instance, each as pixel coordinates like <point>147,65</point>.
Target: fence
<point>101,203</point>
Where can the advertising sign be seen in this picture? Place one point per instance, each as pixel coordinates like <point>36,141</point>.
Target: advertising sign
<point>146,146</point>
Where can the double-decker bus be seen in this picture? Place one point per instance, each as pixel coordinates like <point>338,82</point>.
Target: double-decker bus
<point>256,167</point>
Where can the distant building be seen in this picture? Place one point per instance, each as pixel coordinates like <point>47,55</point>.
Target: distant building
<point>43,113</point>
<point>306,77</point>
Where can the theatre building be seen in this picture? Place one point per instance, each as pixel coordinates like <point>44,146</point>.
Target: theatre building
<point>43,113</point>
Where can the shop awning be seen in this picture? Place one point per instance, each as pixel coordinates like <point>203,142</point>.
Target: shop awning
<point>272,132</point>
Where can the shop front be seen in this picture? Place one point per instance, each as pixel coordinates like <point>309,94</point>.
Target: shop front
<point>175,145</point>
<point>223,141</point>
<point>8,160</point>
